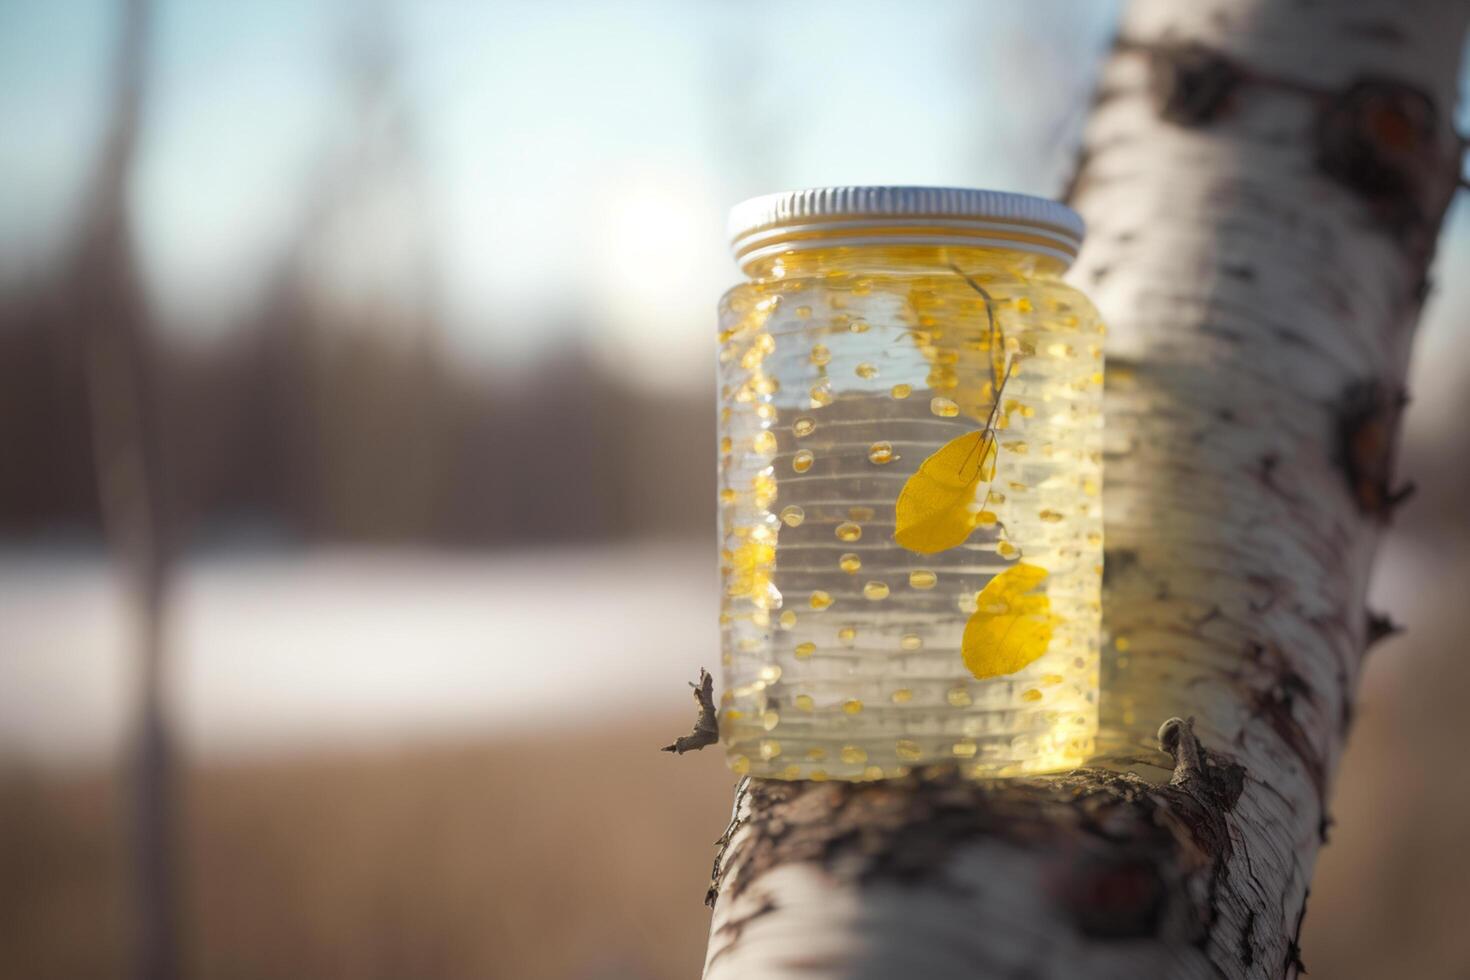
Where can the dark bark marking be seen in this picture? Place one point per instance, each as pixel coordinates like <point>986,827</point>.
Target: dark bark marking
<point>1116,563</point>
<point>1214,613</point>
<point>1422,289</point>
<point>1380,627</point>
<point>1275,702</point>
<point>1289,336</point>
<point>1375,30</point>
<point>1108,93</point>
<point>1277,714</point>
<point>1268,465</point>
<point>1223,332</point>
<point>1367,436</point>
<point>1379,138</point>
<point>1272,589</point>
<point>1190,84</point>
<point>706,723</point>
<point>1293,945</point>
<point>734,927</point>
<point>1247,947</point>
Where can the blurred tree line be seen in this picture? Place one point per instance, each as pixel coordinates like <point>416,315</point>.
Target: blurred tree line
<point>309,424</point>
<point>323,417</point>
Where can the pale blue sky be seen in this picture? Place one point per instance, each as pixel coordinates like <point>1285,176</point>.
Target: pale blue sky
<point>572,161</point>
<point>569,164</point>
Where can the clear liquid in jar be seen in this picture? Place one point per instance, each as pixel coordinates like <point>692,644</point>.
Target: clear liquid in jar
<point>842,648</point>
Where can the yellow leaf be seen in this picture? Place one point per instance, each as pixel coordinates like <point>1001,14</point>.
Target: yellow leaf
<point>937,508</point>
<point>1010,628</point>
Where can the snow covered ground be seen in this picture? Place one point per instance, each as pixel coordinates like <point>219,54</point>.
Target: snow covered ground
<point>300,649</point>
<point>296,650</point>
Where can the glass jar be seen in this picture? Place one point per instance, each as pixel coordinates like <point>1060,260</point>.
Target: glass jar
<point>910,486</point>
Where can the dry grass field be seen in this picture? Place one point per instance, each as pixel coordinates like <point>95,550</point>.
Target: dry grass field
<point>584,856</point>
<point>579,856</point>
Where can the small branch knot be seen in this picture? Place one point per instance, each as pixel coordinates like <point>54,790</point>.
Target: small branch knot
<point>1380,627</point>
<point>1195,771</point>
<point>1176,737</point>
<point>706,723</point>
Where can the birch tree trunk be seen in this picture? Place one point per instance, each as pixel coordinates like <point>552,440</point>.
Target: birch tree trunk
<point>1263,182</point>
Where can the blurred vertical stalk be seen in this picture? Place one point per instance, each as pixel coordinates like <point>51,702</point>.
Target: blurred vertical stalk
<point>123,390</point>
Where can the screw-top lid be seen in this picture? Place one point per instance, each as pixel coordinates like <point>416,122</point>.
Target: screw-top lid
<point>827,217</point>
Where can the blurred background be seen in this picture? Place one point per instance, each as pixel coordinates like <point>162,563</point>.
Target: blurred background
<point>356,383</point>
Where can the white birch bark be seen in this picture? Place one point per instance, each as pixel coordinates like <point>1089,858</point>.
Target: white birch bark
<point>1259,234</point>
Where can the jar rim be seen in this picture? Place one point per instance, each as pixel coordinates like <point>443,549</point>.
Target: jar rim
<point>896,215</point>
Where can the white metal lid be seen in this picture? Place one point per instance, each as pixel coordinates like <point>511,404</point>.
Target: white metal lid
<point>826,217</point>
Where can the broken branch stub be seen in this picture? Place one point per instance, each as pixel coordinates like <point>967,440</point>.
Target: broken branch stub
<point>706,723</point>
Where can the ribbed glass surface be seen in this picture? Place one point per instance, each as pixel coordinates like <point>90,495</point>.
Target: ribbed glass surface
<point>845,652</point>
